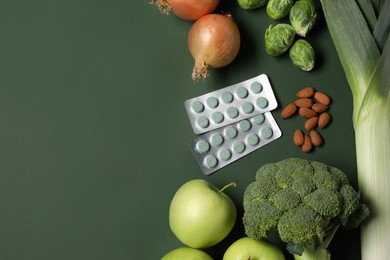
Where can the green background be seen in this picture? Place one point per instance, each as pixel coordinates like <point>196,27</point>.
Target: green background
<point>94,134</point>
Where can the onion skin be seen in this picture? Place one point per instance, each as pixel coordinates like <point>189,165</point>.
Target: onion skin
<point>214,42</point>
<point>190,10</point>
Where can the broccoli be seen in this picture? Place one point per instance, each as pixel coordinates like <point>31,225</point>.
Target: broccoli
<point>306,202</point>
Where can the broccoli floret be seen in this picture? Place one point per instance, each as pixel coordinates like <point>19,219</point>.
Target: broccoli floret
<point>305,201</point>
<point>325,201</point>
<point>324,178</point>
<point>285,199</point>
<point>303,185</point>
<point>300,225</point>
<point>263,217</point>
<point>268,178</point>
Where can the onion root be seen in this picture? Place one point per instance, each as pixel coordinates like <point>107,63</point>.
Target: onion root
<point>200,71</point>
<point>162,5</point>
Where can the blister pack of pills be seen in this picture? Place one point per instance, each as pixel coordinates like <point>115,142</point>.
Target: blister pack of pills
<point>231,104</point>
<point>232,122</point>
<point>220,147</point>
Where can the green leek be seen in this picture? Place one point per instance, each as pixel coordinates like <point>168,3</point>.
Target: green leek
<point>360,33</point>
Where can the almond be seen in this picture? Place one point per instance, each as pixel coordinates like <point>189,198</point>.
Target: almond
<point>298,137</point>
<point>311,123</point>
<point>322,98</point>
<point>304,102</point>
<point>289,110</point>
<point>306,92</point>
<point>319,107</point>
<point>324,119</point>
<point>307,145</point>
<point>315,138</point>
<point>306,112</point>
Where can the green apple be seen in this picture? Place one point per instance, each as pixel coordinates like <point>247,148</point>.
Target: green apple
<point>201,215</point>
<point>186,253</point>
<point>247,248</point>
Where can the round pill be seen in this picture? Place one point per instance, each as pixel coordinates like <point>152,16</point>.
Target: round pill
<point>244,125</point>
<point>217,117</point>
<point>266,132</point>
<point>241,92</point>
<point>238,147</point>
<point>232,112</point>
<point>216,139</point>
<point>227,97</point>
<point>230,132</point>
<point>252,139</point>
<point>262,102</point>
<point>197,107</point>
<point>210,161</point>
<point>224,154</point>
<point>203,122</point>
<point>247,108</point>
<point>202,146</point>
<point>212,102</point>
<point>258,119</point>
<point>256,87</point>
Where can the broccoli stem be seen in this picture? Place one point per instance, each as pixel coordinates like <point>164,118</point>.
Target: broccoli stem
<point>318,253</point>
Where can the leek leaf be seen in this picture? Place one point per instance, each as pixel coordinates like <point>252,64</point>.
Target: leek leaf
<point>377,4</point>
<point>368,74</point>
<point>372,132</point>
<point>368,12</point>
<point>382,27</point>
<point>377,96</point>
<point>354,43</point>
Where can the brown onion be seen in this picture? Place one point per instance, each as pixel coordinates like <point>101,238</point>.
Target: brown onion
<point>190,10</point>
<point>213,41</point>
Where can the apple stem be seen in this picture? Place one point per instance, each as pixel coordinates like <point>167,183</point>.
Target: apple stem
<point>234,184</point>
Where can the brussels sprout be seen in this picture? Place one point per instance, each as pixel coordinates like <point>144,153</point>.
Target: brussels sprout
<point>278,38</point>
<point>251,4</point>
<point>303,16</point>
<point>278,9</point>
<point>302,55</point>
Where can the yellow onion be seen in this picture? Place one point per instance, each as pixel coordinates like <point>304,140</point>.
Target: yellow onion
<point>214,42</point>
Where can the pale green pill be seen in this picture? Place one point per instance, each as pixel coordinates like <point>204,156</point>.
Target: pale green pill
<point>232,112</point>
<point>258,119</point>
<point>227,97</point>
<point>210,161</point>
<point>266,132</point>
<point>203,122</point>
<point>241,92</point>
<point>262,102</point>
<point>230,132</point>
<point>212,102</point>
<point>224,154</point>
<point>202,146</point>
<point>238,147</point>
<point>252,139</point>
<point>216,139</point>
<point>217,117</point>
<point>197,107</point>
<point>256,87</point>
<point>247,108</point>
<point>244,125</point>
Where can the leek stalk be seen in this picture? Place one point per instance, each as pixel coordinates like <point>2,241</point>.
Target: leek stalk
<point>363,46</point>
